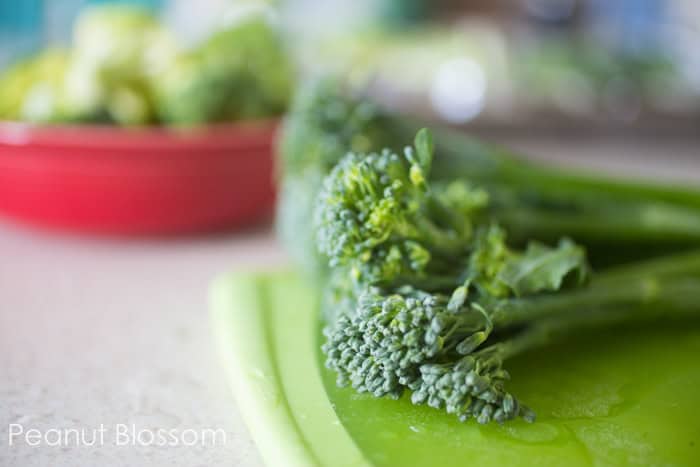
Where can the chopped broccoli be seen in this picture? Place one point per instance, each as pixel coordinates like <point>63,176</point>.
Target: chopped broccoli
<point>126,68</point>
<point>32,89</point>
<point>117,50</point>
<point>239,73</point>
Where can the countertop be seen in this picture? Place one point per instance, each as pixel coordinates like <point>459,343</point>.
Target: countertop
<point>116,333</point>
<point>109,333</point>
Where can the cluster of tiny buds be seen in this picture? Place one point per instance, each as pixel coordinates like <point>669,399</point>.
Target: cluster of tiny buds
<point>463,390</point>
<point>363,201</point>
<point>391,344</point>
<point>380,349</point>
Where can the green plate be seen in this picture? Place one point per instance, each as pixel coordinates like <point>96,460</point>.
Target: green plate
<point>614,398</point>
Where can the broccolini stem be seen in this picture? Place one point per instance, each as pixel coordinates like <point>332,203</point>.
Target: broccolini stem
<point>648,297</point>
<point>634,222</point>
<point>551,329</point>
<point>681,264</point>
<point>459,154</point>
<point>535,201</point>
<point>446,243</point>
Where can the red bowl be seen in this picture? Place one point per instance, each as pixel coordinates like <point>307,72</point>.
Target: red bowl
<point>111,180</point>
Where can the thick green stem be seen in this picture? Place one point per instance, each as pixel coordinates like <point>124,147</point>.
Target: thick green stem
<point>551,329</point>
<point>460,155</point>
<point>680,265</point>
<point>430,282</point>
<point>535,201</point>
<point>639,224</point>
<point>646,296</point>
<point>445,243</point>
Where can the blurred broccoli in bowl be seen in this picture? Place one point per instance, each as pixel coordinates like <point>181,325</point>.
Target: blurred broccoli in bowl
<point>238,73</point>
<point>117,49</point>
<point>32,90</point>
<point>126,68</point>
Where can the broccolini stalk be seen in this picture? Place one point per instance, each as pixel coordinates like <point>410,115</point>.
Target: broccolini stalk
<point>606,214</point>
<point>440,301</point>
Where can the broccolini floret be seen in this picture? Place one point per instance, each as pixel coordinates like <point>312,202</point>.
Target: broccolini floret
<point>376,216</point>
<point>323,124</point>
<point>422,342</point>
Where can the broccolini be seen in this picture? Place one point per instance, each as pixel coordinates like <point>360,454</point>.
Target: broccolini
<point>616,220</point>
<point>438,301</point>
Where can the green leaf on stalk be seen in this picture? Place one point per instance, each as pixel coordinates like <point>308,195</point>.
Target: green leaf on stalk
<point>424,148</point>
<point>542,268</point>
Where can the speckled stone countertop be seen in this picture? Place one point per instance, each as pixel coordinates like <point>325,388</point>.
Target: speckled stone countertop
<point>110,333</point>
<point>104,332</point>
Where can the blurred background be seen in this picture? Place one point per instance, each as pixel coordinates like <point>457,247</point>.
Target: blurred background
<point>512,63</point>
<point>526,73</point>
<point>104,330</point>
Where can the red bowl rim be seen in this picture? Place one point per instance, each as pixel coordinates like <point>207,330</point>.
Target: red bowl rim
<point>251,134</point>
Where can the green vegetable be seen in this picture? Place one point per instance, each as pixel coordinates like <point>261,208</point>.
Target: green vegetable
<point>125,68</point>
<point>239,73</point>
<point>439,301</point>
<point>121,41</point>
<point>616,220</point>
<point>117,50</point>
<point>422,292</point>
<point>323,124</point>
<point>32,89</point>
